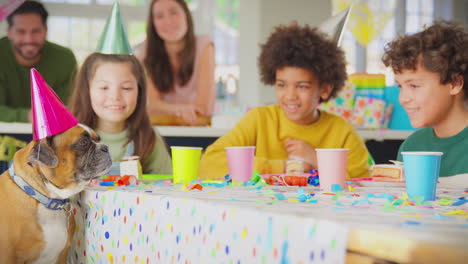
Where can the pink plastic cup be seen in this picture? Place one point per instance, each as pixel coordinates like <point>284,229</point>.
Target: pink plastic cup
<point>240,162</point>
<point>332,163</point>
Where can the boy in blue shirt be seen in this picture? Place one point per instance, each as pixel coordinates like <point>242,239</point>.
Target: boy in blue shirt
<point>431,69</point>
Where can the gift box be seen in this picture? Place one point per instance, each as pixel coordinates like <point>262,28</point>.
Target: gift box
<point>370,112</point>
<point>343,104</point>
<point>373,92</point>
<point>388,115</point>
<point>368,85</point>
<point>399,119</point>
<point>361,80</point>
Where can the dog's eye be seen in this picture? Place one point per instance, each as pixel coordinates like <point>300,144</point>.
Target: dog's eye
<point>84,141</point>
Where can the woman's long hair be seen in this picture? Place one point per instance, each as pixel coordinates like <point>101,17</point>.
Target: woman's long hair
<point>138,124</point>
<point>157,60</point>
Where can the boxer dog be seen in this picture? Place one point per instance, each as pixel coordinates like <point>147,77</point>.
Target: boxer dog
<point>35,221</point>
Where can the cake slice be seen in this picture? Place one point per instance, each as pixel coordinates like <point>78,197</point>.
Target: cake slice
<point>387,172</point>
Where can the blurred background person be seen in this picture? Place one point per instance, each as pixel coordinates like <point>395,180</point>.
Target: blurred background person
<point>179,64</point>
<point>26,47</point>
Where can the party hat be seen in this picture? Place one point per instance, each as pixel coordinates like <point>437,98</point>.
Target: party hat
<point>6,8</point>
<point>335,25</point>
<point>50,116</point>
<point>114,39</point>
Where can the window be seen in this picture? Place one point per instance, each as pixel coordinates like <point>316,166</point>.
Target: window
<point>78,24</point>
<point>226,38</point>
<point>416,13</point>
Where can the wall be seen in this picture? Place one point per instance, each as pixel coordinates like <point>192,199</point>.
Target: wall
<point>460,9</point>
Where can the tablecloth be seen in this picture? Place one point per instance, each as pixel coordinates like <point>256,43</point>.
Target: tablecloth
<point>250,224</point>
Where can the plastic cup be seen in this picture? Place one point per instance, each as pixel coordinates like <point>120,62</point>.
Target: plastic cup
<point>185,163</point>
<point>240,162</point>
<point>421,172</point>
<point>332,163</point>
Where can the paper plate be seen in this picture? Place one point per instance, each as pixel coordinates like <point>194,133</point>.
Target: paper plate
<point>370,182</point>
<point>155,177</point>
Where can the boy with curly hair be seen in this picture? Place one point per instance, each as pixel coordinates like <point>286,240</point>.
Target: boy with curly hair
<point>306,69</point>
<point>431,69</point>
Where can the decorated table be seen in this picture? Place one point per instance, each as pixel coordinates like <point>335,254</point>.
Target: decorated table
<point>267,224</point>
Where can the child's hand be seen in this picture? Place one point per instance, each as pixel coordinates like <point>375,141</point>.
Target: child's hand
<point>301,149</point>
<point>188,113</point>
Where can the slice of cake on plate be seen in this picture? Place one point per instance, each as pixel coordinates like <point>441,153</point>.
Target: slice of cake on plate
<point>388,172</point>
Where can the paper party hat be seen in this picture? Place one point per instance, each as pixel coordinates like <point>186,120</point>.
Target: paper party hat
<point>8,6</point>
<point>335,25</point>
<point>114,39</point>
<point>50,116</point>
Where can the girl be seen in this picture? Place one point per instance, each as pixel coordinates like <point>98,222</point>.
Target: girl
<point>179,64</point>
<point>110,97</point>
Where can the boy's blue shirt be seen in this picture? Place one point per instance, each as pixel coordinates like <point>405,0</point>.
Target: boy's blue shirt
<point>455,149</point>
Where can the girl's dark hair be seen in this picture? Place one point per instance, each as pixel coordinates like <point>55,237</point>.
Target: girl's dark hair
<point>303,47</point>
<point>138,124</point>
<point>441,48</point>
<point>157,62</point>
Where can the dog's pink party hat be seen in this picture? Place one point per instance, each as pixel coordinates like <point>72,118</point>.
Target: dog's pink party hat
<point>50,116</point>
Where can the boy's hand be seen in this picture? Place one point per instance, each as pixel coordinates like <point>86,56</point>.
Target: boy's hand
<point>301,149</point>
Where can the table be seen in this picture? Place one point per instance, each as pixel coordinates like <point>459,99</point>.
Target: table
<point>266,224</point>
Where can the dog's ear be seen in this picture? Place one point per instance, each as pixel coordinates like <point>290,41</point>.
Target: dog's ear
<point>43,155</point>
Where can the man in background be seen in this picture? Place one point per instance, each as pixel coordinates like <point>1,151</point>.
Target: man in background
<point>26,47</point>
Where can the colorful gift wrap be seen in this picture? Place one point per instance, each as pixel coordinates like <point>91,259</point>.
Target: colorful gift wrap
<point>343,104</point>
<point>369,112</point>
<point>373,92</point>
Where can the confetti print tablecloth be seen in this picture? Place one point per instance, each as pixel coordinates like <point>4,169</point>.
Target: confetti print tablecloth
<point>164,224</point>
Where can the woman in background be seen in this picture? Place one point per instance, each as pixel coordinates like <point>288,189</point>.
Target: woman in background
<point>179,65</point>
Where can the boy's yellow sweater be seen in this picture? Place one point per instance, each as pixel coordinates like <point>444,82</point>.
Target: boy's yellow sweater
<point>267,128</point>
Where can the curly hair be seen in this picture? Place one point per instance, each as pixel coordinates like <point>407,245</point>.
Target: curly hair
<point>303,47</point>
<point>441,48</point>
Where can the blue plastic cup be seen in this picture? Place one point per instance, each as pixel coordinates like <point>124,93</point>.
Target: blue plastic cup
<point>422,172</point>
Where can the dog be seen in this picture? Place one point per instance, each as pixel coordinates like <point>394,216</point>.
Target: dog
<point>38,229</point>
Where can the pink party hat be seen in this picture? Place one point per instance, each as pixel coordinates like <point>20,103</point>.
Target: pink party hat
<point>50,116</point>
<point>6,8</point>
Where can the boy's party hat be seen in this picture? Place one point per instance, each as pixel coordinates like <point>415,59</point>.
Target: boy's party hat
<point>50,116</point>
<point>114,39</point>
<point>334,26</point>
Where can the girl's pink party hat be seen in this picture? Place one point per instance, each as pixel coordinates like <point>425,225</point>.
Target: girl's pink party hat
<point>50,116</point>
